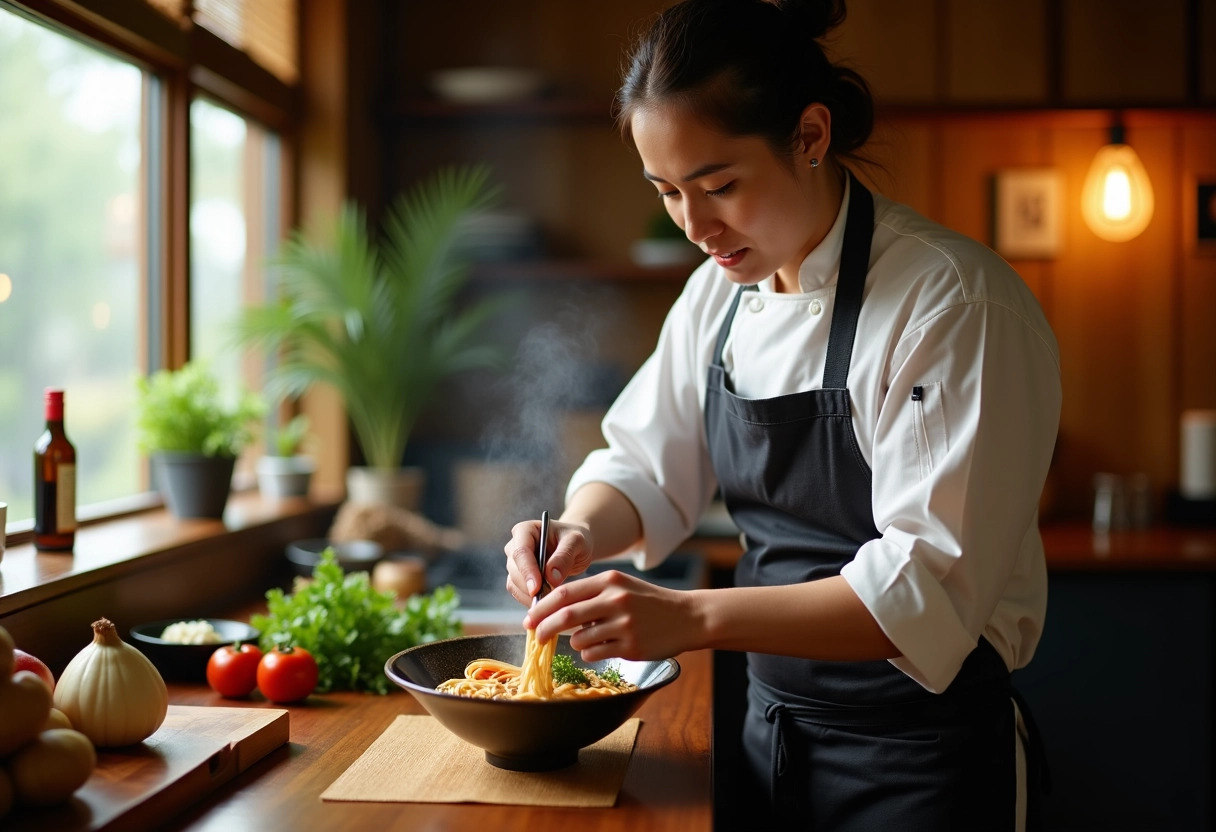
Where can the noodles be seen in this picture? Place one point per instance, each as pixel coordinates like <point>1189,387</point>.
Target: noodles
<point>533,681</point>
<point>536,675</point>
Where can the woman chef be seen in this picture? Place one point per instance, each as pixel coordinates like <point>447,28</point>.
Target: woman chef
<point>877,399</point>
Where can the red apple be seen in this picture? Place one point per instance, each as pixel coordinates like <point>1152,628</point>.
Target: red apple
<point>25,661</point>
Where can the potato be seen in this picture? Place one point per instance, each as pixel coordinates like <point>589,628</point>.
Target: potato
<point>25,701</point>
<point>56,719</point>
<point>47,770</point>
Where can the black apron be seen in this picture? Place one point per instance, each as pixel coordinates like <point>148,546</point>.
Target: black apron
<point>845,745</point>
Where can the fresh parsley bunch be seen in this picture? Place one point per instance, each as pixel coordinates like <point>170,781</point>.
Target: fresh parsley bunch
<point>350,628</point>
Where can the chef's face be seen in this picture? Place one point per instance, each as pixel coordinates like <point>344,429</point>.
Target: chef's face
<point>755,213</point>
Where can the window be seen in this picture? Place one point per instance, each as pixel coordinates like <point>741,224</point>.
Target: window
<point>98,207</point>
<point>72,298</point>
<point>234,187</point>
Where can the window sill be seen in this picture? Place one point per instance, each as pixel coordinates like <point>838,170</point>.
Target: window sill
<point>153,540</point>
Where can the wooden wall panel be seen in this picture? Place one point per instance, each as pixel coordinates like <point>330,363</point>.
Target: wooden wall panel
<point>323,184</point>
<point>974,150</point>
<point>1198,272</point>
<point>996,52</point>
<point>906,152</point>
<point>1124,51</point>
<point>578,45</point>
<point>1207,50</point>
<point>1112,310</point>
<point>893,44</point>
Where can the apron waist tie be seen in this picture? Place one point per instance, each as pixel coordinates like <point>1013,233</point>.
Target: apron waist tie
<point>775,714</point>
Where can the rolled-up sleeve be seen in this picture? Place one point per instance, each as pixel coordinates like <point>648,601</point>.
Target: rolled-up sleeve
<point>657,455</point>
<point>961,450</point>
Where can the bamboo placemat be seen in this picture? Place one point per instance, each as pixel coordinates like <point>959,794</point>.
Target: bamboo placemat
<point>417,760</point>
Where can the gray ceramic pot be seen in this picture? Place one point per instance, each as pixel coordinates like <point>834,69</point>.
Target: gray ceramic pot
<point>194,485</point>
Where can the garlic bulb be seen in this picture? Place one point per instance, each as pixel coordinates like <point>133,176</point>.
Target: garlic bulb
<point>111,692</point>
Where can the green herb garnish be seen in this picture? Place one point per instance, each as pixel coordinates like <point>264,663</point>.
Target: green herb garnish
<point>565,673</point>
<point>350,628</point>
<point>611,675</point>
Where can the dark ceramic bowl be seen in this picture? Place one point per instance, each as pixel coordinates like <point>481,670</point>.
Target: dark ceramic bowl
<point>353,555</point>
<point>187,662</point>
<point>521,736</point>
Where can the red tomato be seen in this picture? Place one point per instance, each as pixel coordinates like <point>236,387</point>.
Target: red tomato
<point>287,674</point>
<point>232,670</point>
<point>24,661</point>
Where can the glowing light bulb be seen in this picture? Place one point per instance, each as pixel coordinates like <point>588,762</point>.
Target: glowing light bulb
<point>1117,195</point>
<point>1117,201</point>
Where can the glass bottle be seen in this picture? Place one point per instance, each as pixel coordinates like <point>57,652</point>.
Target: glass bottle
<point>54,481</point>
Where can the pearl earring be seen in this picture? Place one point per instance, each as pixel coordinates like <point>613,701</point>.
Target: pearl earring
<point>814,163</point>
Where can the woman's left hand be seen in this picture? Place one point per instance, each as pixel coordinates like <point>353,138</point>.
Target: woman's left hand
<point>615,615</point>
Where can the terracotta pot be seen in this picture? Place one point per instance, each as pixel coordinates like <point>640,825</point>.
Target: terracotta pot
<point>401,487</point>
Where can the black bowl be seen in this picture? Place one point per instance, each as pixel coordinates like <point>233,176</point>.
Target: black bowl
<point>187,662</point>
<point>521,736</point>
<point>352,556</point>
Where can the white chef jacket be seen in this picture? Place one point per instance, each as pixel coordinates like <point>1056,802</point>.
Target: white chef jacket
<point>956,475</point>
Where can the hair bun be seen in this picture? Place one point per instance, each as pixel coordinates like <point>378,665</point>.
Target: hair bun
<point>816,17</point>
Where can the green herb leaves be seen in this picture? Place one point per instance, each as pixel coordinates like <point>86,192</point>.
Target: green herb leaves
<point>350,628</point>
<point>565,673</point>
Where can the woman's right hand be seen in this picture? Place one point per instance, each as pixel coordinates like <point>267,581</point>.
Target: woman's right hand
<point>569,554</point>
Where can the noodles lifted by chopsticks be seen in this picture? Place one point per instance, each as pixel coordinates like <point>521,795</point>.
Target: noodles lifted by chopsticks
<point>492,679</point>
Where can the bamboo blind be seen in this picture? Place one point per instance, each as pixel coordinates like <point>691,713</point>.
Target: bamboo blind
<point>266,30</point>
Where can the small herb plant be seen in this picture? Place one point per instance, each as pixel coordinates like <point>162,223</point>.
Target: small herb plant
<point>350,628</point>
<point>663,227</point>
<point>288,439</point>
<point>185,410</point>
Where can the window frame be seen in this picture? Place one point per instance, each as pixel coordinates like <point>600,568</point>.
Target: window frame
<point>187,61</point>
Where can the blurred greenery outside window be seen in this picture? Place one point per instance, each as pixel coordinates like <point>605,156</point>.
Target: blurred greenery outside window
<point>73,301</point>
<point>234,217</point>
<point>81,288</point>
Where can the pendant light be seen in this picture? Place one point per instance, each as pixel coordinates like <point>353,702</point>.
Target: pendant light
<point>1117,201</point>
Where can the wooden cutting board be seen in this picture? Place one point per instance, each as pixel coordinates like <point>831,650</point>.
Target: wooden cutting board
<point>195,751</point>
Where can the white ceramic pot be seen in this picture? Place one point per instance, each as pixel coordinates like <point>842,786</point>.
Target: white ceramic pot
<point>285,476</point>
<point>401,487</point>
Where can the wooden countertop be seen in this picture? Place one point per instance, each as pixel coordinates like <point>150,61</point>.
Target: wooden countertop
<point>667,786</point>
<point>1069,547</point>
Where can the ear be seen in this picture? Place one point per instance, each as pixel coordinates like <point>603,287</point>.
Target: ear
<point>814,133</point>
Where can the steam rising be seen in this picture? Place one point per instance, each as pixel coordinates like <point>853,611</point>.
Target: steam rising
<point>524,462</point>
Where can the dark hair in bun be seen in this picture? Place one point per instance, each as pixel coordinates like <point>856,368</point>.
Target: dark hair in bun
<point>749,67</point>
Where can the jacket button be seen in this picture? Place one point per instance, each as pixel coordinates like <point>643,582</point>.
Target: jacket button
<point>755,304</point>
<point>815,307</point>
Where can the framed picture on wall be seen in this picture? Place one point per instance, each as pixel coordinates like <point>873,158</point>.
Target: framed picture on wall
<point>1026,213</point>
<point>1205,214</point>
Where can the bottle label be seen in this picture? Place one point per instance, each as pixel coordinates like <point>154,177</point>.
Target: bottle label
<point>65,499</point>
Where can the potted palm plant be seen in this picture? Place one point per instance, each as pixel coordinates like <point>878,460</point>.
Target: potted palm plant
<point>285,471</point>
<point>377,320</point>
<point>193,436</point>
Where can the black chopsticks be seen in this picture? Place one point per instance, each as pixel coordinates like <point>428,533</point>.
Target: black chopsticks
<point>542,555</point>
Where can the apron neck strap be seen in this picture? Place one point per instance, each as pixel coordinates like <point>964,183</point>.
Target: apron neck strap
<point>854,264</point>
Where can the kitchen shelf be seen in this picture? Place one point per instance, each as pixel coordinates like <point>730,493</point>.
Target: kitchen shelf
<point>578,270</point>
<point>559,110</point>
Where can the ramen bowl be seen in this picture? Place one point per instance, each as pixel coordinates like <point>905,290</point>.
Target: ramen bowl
<point>521,736</point>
